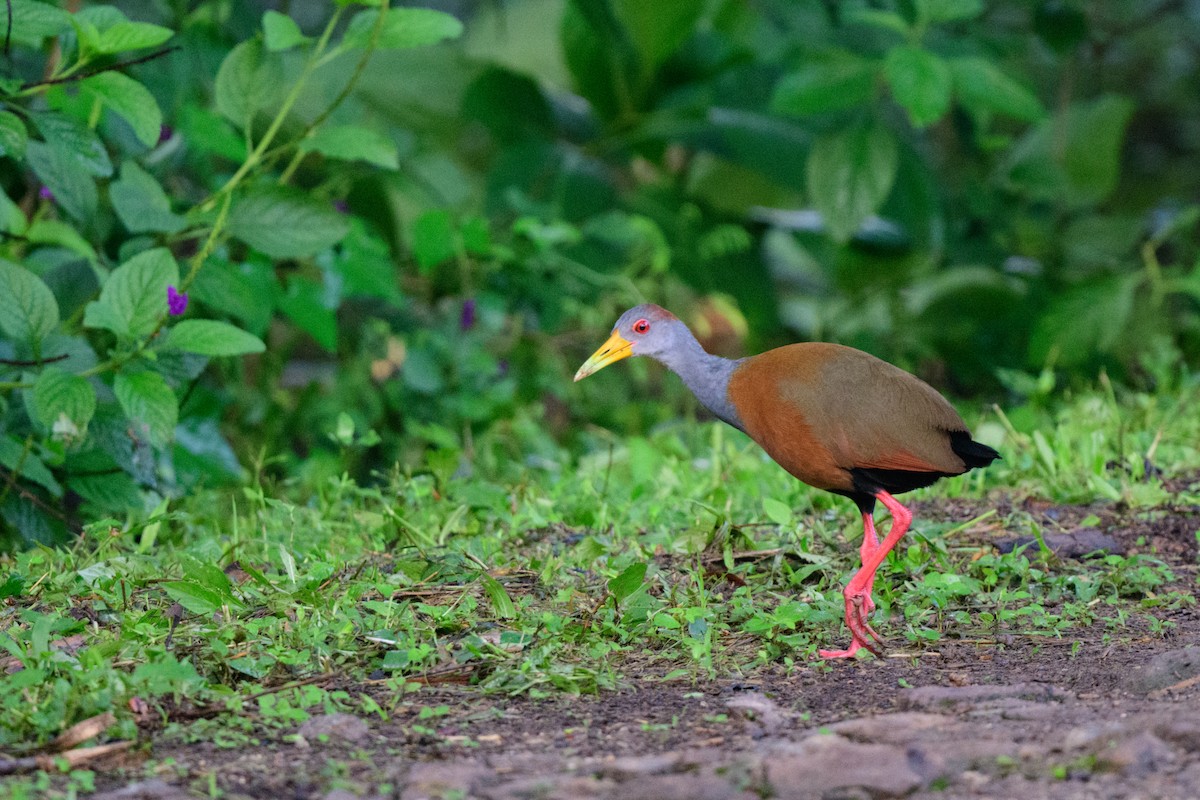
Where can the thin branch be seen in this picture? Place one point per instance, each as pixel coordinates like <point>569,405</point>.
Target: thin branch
<point>36,362</point>
<point>118,65</point>
<point>346,91</point>
<point>8,30</point>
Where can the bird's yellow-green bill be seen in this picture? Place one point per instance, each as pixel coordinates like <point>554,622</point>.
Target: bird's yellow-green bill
<point>616,348</point>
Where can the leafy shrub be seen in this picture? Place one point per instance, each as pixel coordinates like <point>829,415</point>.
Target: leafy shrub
<point>411,236</point>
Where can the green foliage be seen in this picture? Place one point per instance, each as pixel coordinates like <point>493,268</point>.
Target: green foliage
<point>101,413</point>
<point>389,235</point>
<point>534,579</point>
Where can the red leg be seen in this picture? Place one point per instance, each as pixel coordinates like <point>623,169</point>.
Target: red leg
<point>858,590</point>
<point>869,544</point>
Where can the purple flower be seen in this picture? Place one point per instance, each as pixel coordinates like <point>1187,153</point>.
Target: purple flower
<point>45,193</point>
<point>176,302</point>
<point>164,133</point>
<point>341,206</point>
<point>467,320</point>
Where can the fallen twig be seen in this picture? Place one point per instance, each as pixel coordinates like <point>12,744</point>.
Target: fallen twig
<point>52,761</point>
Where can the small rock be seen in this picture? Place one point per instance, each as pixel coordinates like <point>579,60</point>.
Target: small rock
<point>1073,544</point>
<point>1165,669</point>
<point>343,727</point>
<point>636,766</point>
<point>765,716</point>
<point>963,697</point>
<point>827,762</point>
<point>899,728</point>
<point>973,779</point>
<point>1189,777</point>
<point>540,787</point>
<point>1024,710</point>
<point>437,779</point>
<point>1137,755</point>
<point>1092,736</point>
<point>1182,732</point>
<point>145,790</point>
<point>974,751</point>
<point>703,786</point>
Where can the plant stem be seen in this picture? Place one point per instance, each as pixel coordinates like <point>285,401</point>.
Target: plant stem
<point>256,156</point>
<point>359,70</point>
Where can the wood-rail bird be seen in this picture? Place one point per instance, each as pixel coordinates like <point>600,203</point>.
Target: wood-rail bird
<point>836,418</point>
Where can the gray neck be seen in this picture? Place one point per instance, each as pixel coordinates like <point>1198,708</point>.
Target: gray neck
<point>706,375</point>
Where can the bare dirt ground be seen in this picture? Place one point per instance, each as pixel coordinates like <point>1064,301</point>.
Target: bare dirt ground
<point>1103,713</point>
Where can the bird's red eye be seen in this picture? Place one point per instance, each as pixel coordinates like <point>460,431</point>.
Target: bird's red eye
<point>641,326</point>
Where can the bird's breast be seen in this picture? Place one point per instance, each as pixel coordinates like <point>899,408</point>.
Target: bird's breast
<point>797,434</point>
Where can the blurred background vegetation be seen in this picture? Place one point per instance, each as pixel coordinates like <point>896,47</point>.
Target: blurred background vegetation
<point>998,196</point>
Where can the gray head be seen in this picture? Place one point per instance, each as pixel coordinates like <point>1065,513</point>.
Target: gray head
<point>645,330</point>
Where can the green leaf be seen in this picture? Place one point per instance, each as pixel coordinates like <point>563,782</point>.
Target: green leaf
<point>52,231</point>
<point>125,36</point>
<point>115,492</point>
<point>79,140</point>
<point>207,132</point>
<point>28,310</point>
<point>244,290</point>
<point>365,264</point>
<point>920,82</point>
<point>502,604</point>
<point>824,87</point>
<point>73,188</point>
<point>33,21</point>
<point>281,32</point>
<point>146,398</point>
<point>87,36</point>
<point>354,143</point>
<point>850,174</point>
<point>197,598</point>
<point>128,98</point>
<point>286,223</point>
<point>58,393</point>
<point>246,81</point>
<point>1075,157</point>
<point>213,338</point>
<point>602,59</point>
<point>948,10</point>
<point>304,304</point>
<point>887,20</point>
<point>141,203</point>
<point>13,135</point>
<point>1084,321</point>
<point>134,298</point>
<point>14,458</point>
<point>628,582</point>
<point>12,218</point>
<point>403,28</point>
<point>658,29</point>
<point>433,239</point>
<point>165,675</point>
<point>777,512</point>
<point>981,87</point>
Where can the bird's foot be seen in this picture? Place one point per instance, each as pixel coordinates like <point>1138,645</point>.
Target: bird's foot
<point>847,653</point>
<point>859,629</point>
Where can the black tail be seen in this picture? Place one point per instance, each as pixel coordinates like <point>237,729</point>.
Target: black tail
<point>973,453</point>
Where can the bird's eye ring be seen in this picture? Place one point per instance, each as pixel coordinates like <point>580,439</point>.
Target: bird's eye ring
<point>641,326</point>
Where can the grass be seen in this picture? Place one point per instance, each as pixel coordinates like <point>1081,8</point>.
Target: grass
<point>685,555</point>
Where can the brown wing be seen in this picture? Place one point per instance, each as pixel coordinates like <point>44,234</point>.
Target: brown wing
<point>821,410</point>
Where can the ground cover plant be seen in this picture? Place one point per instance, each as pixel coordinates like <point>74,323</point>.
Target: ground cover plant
<point>291,295</point>
<point>678,558</point>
